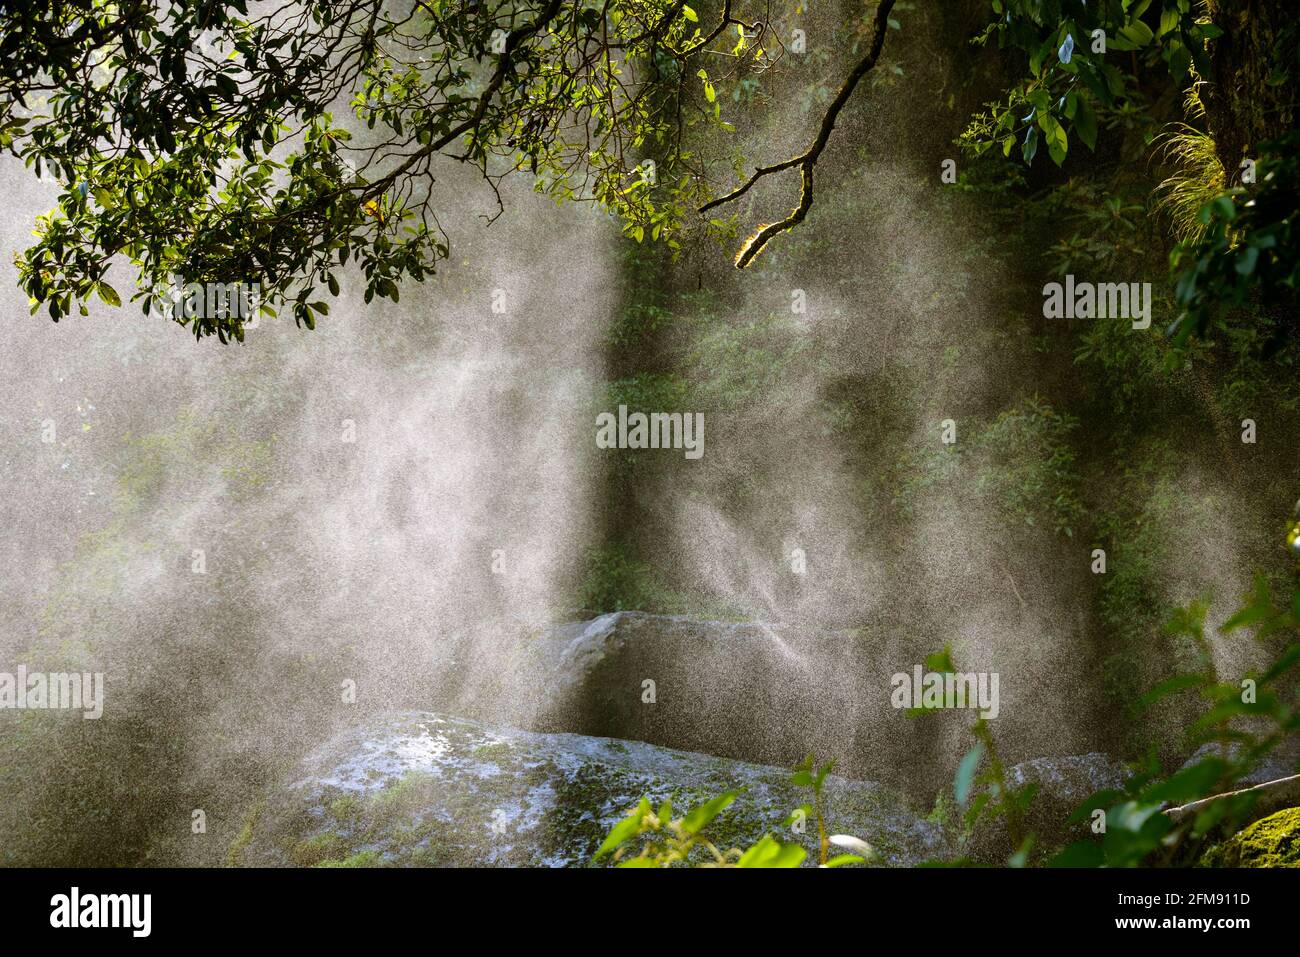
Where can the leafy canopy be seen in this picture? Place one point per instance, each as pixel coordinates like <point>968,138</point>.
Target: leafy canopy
<point>201,140</point>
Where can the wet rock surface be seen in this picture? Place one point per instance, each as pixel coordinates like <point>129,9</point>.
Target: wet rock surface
<point>424,789</point>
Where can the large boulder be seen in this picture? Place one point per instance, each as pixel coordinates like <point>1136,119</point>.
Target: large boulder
<point>1066,781</point>
<point>422,789</point>
<point>752,691</point>
<point>1282,762</point>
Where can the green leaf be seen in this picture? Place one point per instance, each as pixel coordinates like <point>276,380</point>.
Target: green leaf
<point>977,807</point>
<point>966,773</point>
<point>770,852</point>
<point>108,294</point>
<point>824,770</point>
<point>1030,148</point>
<point>1289,659</point>
<point>690,14</point>
<point>1079,854</point>
<point>1057,142</point>
<point>1189,784</point>
<point>624,829</point>
<point>1085,123</point>
<point>702,815</point>
<point>1180,59</point>
<point>1254,612</point>
<point>1170,686</point>
<point>1021,857</point>
<point>666,811</point>
<point>940,661</point>
<point>1137,33</point>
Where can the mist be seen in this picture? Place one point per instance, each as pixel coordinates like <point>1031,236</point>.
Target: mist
<point>259,544</point>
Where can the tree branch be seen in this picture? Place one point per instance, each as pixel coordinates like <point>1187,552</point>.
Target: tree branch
<point>808,159</point>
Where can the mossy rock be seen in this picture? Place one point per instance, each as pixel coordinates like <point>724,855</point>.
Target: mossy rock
<point>1273,841</point>
<point>420,790</point>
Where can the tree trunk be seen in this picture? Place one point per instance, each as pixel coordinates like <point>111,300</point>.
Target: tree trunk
<point>1242,107</point>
